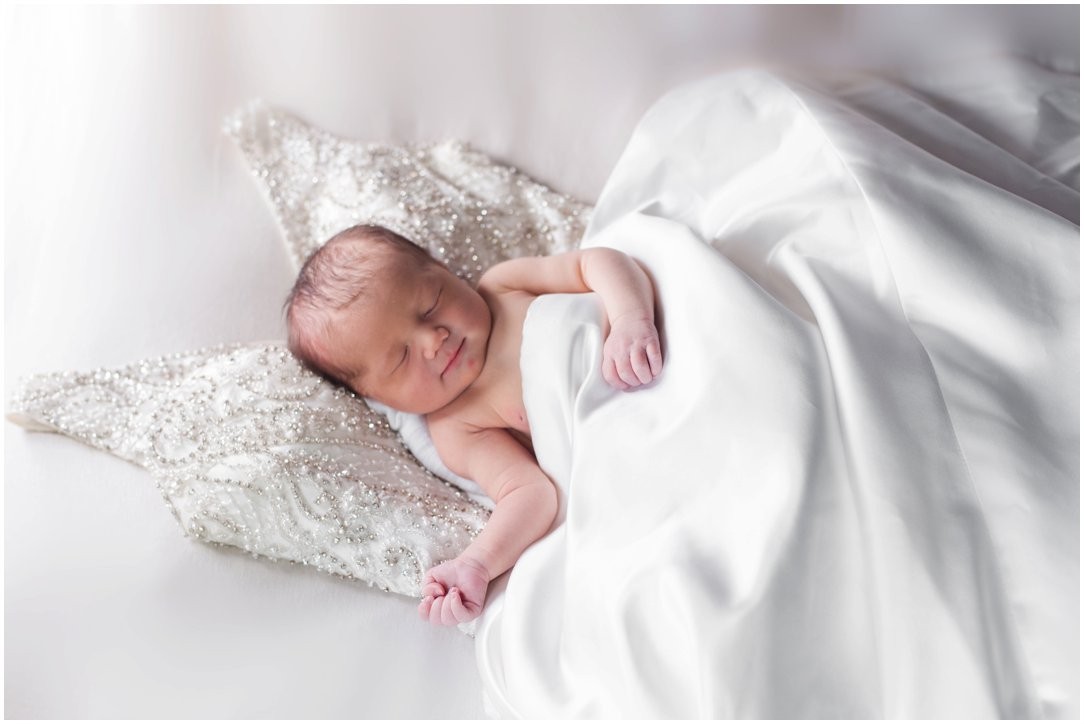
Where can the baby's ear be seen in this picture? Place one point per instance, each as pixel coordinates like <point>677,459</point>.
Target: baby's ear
<point>358,387</point>
<point>361,385</point>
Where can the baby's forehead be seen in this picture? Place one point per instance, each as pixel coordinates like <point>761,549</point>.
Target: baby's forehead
<point>386,257</point>
<point>393,284</point>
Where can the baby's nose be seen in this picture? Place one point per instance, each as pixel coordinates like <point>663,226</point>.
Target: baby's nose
<point>436,337</point>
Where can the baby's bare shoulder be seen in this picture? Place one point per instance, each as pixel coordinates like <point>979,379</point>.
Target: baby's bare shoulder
<point>505,296</point>
<point>459,440</point>
<point>491,279</point>
<point>464,417</point>
<point>447,421</point>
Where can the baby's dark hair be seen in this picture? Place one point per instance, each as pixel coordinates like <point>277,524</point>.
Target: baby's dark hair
<point>332,278</point>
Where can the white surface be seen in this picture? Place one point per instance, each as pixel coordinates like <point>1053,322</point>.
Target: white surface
<point>131,229</point>
<point>853,491</point>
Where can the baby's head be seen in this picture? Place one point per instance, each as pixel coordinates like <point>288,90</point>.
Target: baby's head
<point>377,314</point>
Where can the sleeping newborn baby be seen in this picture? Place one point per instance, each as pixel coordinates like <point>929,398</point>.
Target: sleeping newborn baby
<point>374,312</point>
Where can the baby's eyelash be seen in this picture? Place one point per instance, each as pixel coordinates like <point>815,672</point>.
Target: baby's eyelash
<point>401,360</point>
<point>435,304</point>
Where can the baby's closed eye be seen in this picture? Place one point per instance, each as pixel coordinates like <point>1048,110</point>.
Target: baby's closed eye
<point>433,308</point>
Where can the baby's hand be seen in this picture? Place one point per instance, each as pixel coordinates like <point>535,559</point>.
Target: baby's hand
<point>632,355</point>
<point>454,592</point>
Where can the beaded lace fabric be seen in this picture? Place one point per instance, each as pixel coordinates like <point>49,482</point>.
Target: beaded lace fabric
<point>251,450</point>
<point>467,210</point>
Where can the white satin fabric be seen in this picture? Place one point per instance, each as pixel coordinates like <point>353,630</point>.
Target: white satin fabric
<point>854,489</point>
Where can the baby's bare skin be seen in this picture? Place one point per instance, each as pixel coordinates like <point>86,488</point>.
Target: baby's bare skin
<point>496,397</point>
<point>430,344</point>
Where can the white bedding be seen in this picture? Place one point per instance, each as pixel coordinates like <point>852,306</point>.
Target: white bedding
<point>854,490</point>
<point>132,230</point>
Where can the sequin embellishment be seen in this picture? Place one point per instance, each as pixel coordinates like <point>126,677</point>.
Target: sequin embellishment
<point>249,449</point>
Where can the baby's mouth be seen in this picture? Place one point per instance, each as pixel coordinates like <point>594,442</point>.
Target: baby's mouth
<point>454,357</point>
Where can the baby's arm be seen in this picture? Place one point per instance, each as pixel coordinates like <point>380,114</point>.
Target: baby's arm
<point>525,506</point>
<point>632,354</point>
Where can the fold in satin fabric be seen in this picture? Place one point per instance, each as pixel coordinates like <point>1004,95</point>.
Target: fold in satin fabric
<point>854,489</point>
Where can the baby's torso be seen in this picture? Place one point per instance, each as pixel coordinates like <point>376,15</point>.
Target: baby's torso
<point>496,397</point>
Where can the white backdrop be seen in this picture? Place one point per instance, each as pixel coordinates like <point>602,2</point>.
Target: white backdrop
<point>131,229</point>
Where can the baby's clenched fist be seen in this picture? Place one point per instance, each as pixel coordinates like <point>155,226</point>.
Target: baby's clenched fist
<point>632,354</point>
<point>454,592</point>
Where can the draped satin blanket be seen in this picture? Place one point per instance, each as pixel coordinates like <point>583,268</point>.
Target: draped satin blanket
<point>854,489</point>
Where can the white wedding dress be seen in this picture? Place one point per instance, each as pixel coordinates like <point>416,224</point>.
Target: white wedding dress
<point>854,489</point>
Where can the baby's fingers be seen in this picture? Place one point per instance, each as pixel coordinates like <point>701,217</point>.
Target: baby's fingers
<point>462,610</point>
<point>452,602</point>
<point>433,589</point>
<point>448,610</point>
<point>435,613</point>
<point>609,373</point>
<point>654,358</point>
<point>459,611</point>
<point>425,606</point>
<point>641,366</point>
<point>625,372</point>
